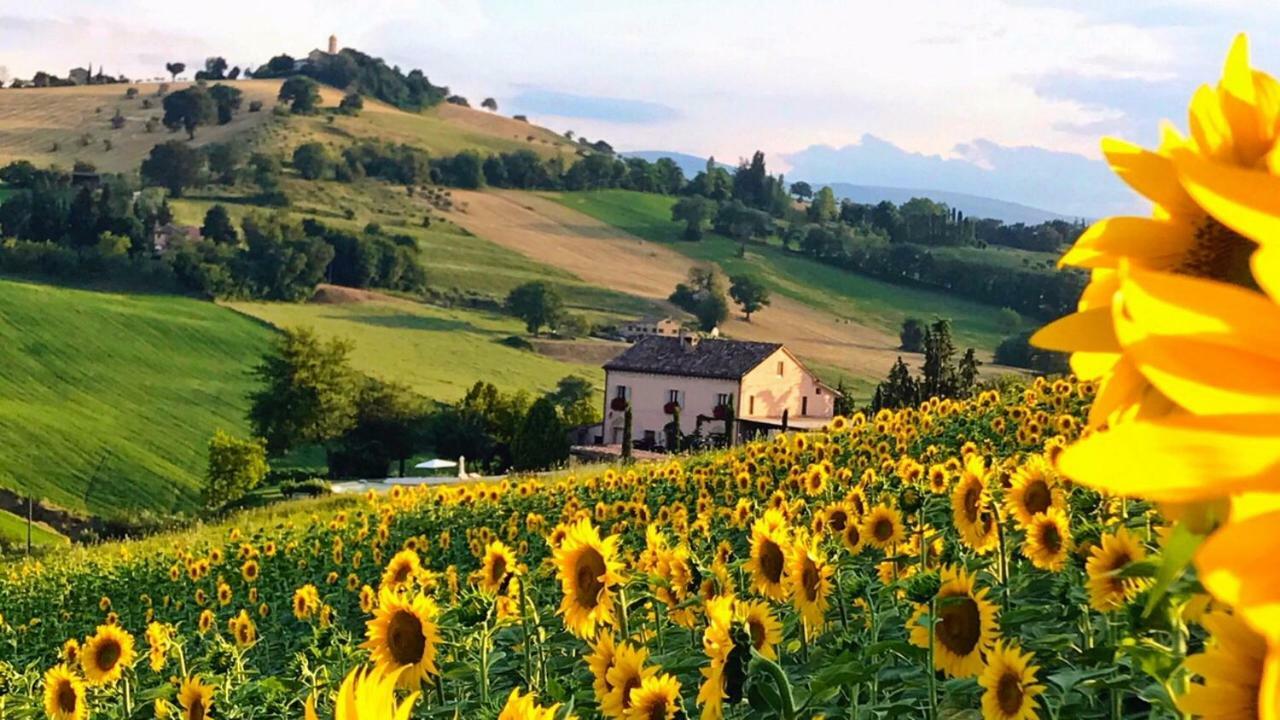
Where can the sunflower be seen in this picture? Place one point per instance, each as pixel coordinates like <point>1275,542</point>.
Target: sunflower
<point>1048,540</point>
<point>157,645</point>
<point>588,570</point>
<point>852,538</point>
<point>809,582</point>
<point>768,559</point>
<point>600,660</point>
<point>837,517</point>
<point>367,694</point>
<point>195,698</point>
<point>64,695</point>
<point>498,562</point>
<point>1114,553</point>
<point>106,654</point>
<point>70,651</point>
<point>969,510</point>
<point>306,601</point>
<point>243,630</point>
<point>250,570</point>
<point>882,527</point>
<point>1009,684</point>
<point>403,637</point>
<point>765,629</point>
<point>1033,491</point>
<point>402,568</point>
<point>658,698</point>
<point>1232,669</point>
<point>717,643</point>
<point>523,707</point>
<point>966,625</point>
<point>205,622</point>
<point>1195,230</point>
<point>625,674</point>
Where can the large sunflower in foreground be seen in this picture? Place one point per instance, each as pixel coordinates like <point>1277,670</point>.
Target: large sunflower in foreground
<point>498,562</point>
<point>588,569</point>
<point>1009,684</point>
<point>809,581</point>
<point>658,698</point>
<point>106,654</point>
<point>966,625</point>
<point>768,560</point>
<point>1231,669</point>
<point>367,694</point>
<point>403,567</point>
<point>1116,551</point>
<point>195,698</point>
<point>64,695</point>
<point>403,637</point>
<point>764,628</point>
<point>1192,232</point>
<point>625,675</point>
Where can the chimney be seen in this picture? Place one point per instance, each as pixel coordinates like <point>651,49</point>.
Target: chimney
<point>689,342</point>
<point>333,44</point>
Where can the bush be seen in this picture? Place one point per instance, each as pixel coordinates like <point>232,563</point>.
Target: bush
<point>517,342</point>
<point>311,487</point>
<point>255,105</point>
<point>235,467</point>
<point>912,335</point>
<point>294,475</point>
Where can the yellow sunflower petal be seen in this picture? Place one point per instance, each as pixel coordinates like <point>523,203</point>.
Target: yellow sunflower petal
<point>1195,375</point>
<point>1246,201</point>
<point>1087,331</point>
<point>1154,244</point>
<point>1193,308</point>
<point>1179,459</point>
<point>1209,125</point>
<point>1150,174</point>
<point>1237,565</point>
<point>1266,271</point>
<point>1239,103</point>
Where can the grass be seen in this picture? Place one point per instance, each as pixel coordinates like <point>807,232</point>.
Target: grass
<point>13,532</point>
<point>438,352</point>
<point>844,294</point>
<point>107,401</point>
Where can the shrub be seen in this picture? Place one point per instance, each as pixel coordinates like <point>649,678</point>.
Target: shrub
<point>235,467</point>
<point>311,487</point>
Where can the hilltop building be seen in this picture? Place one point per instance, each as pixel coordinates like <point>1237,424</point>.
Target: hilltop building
<point>333,44</point>
<point>761,385</point>
<point>661,326</point>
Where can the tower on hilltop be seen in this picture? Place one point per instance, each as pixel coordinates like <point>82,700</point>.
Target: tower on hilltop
<point>333,44</point>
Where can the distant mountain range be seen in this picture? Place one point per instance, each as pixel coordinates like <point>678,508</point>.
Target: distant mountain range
<point>972,205</point>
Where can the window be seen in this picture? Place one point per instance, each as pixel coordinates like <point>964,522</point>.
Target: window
<point>622,392</point>
<point>724,398</point>
<point>650,437</point>
<point>751,405</point>
<point>804,406</point>
<point>673,396</point>
<point>780,368</point>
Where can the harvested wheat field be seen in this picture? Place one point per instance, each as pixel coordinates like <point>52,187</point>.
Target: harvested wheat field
<point>603,255</point>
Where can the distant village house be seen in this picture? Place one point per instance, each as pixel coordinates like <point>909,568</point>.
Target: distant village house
<point>170,235</point>
<point>663,327</point>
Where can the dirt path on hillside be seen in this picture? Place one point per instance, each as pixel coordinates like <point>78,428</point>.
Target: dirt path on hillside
<point>603,255</point>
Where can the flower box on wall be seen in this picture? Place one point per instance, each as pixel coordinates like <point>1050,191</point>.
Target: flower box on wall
<point>720,412</point>
<point>618,404</point>
<point>671,408</point>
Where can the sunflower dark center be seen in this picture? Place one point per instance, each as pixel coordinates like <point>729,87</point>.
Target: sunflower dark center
<point>758,634</point>
<point>771,561</point>
<point>499,568</point>
<point>971,496</point>
<point>883,529</point>
<point>809,579</point>
<point>405,638</point>
<point>590,569</point>
<point>196,711</point>
<point>67,698</point>
<point>402,573</point>
<point>960,625</point>
<point>852,536</point>
<point>1009,693</point>
<point>109,654</point>
<point>1219,253</point>
<point>659,710</point>
<point>838,520</point>
<point>1051,537</point>
<point>632,683</point>
<point>1038,497</point>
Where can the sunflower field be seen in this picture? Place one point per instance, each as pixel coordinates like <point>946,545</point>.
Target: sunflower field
<point>928,562</point>
<point>1098,546</point>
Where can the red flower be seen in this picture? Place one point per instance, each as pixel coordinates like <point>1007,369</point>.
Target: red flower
<point>618,404</point>
<point>671,407</point>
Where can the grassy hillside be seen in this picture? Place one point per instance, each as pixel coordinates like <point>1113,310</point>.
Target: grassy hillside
<point>107,400</point>
<point>846,295</point>
<point>13,532</point>
<point>436,351</point>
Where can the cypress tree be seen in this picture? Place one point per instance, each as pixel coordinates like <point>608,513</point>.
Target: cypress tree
<point>626,434</point>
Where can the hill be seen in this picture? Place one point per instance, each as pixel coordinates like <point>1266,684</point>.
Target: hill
<point>107,400</point>
<point>58,126</point>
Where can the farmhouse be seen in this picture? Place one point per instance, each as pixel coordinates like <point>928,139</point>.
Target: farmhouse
<point>757,387</point>
<point>636,329</point>
<point>169,235</point>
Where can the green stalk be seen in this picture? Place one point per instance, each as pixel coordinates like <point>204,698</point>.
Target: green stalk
<point>622,612</point>
<point>933,673</point>
<point>1003,559</point>
<point>528,647</point>
<point>780,679</point>
<point>844,613</point>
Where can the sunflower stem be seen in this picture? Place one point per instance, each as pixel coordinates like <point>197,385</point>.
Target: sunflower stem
<point>484,663</point>
<point>844,613</point>
<point>788,709</point>
<point>528,647</point>
<point>622,613</point>
<point>933,673</point>
<point>1003,559</point>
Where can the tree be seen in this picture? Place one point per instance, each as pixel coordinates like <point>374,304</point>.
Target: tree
<point>802,190</point>
<point>939,371</point>
<point>302,92</point>
<point>226,100</point>
<point>899,390</point>
<point>911,336</point>
<point>352,104</point>
<point>490,104</point>
<point>537,303</point>
<point>824,208</point>
<point>627,430</point>
<point>188,109</point>
<point>312,160</point>
<point>542,441</point>
<point>843,401</point>
<point>173,165</point>
<point>711,311</point>
<point>235,467</point>
<point>175,68</point>
<point>225,160</point>
<point>306,393</point>
<point>1008,319</point>
<point>749,293</point>
<point>390,426</point>
<point>695,212</point>
<point>218,227</point>
<point>968,372</point>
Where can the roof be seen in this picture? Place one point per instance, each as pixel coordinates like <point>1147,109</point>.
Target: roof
<point>726,359</point>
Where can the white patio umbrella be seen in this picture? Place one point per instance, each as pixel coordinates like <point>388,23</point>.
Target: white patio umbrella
<point>436,464</point>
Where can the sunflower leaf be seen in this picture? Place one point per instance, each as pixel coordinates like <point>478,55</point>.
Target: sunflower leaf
<point>1177,554</point>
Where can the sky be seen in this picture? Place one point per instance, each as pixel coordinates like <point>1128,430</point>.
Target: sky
<point>1000,97</point>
